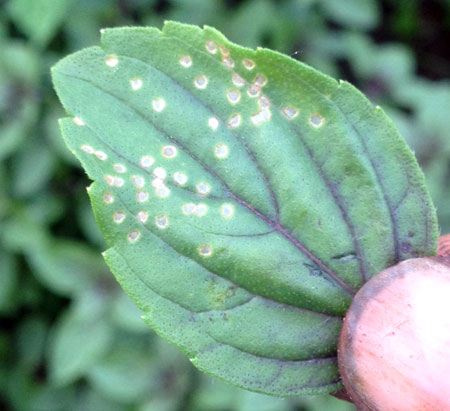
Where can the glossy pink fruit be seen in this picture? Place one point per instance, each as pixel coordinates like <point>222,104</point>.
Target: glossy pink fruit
<point>394,348</point>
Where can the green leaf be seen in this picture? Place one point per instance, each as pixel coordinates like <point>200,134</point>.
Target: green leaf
<point>80,339</point>
<point>357,14</point>
<point>245,197</point>
<point>39,19</point>
<point>10,282</point>
<point>33,168</point>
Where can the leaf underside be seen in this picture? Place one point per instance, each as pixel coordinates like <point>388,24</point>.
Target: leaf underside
<point>245,197</point>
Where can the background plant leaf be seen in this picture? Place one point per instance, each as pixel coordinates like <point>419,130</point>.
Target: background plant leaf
<point>245,197</point>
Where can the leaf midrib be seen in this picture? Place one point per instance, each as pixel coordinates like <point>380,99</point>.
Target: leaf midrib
<point>215,275</point>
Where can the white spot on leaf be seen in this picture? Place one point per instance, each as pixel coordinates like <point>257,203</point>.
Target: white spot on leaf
<point>234,121</point>
<point>228,62</point>
<point>213,123</point>
<point>201,81</point>
<point>108,198</point>
<point>224,51</point>
<point>289,112</point>
<point>136,83</point>
<point>264,102</point>
<point>134,235</point>
<point>260,80</point>
<point>78,121</point>
<point>159,172</point>
<point>87,149</point>
<point>201,210</point>
<point>254,90</point>
<point>120,168</point>
<point>147,161</point>
<point>248,64</point>
<point>114,181</point>
<point>119,217</point>
<point>101,155</point>
<point>142,216</point>
<point>205,250</point>
<point>261,117</point>
<point>138,181</point>
<point>162,192</point>
<point>180,178</point>
<point>221,151</point>
<point>185,61</point>
<point>203,188</point>
<point>169,151</point>
<point>112,60</point>
<point>159,104</point>
<point>211,47</point>
<point>157,182</point>
<point>316,120</point>
<point>189,208</point>
<point>142,196</point>
<point>227,210</point>
<point>233,96</point>
<point>161,221</point>
<point>237,80</point>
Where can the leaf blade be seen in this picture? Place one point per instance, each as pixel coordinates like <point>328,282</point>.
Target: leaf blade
<point>257,219</point>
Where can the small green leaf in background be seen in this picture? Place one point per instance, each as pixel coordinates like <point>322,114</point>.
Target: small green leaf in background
<point>39,19</point>
<point>81,338</point>
<point>245,197</point>
<point>360,14</point>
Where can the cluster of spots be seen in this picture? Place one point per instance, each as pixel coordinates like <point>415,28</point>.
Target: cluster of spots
<point>205,250</point>
<point>114,181</point>
<point>254,90</point>
<point>264,113</point>
<point>136,83</point>
<point>198,210</point>
<point>227,61</point>
<point>97,153</point>
<point>158,183</point>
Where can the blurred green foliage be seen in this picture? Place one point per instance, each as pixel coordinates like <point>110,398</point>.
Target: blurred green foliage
<point>69,338</point>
